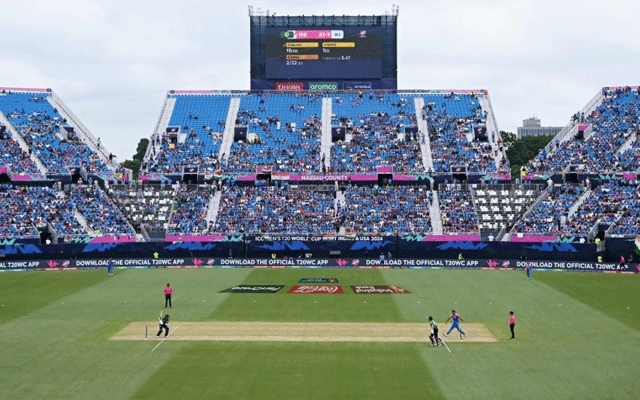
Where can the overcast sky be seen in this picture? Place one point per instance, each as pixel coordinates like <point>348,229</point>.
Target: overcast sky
<point>112,62</point>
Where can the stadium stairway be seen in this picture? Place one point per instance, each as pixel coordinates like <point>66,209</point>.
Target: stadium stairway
<point>348,137</point>
<point>434,213</point>
<point>632,138</point>
<point>425,145</point>
<point>571,129</point>
<point>170,216</point>
<point>83,222</point>
<point>589,132</point>
<point>474,203</point>
<point>578,203</point>
<point>15,135</point>
<point>161,125</point>
<point>325,144</point>
<point>492,126</point>
<point>229,127</point>
<point>340,199</point>
<point>214,206</point>
<point>539,199</point>
<point>80,129</point>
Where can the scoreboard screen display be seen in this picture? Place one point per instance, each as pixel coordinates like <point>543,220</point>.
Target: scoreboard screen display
<point>323,53</point>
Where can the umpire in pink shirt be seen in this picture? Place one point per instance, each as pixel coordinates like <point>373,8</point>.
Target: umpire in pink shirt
<point>168,291</point>
<point>512,324</point>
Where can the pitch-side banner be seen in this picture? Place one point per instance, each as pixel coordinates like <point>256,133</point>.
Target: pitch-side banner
<point>201,262</point>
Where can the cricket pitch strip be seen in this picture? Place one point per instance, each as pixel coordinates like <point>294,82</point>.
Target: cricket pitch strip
<point>302,332</point>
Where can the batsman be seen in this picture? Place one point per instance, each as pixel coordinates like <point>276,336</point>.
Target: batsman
<point>164,324</point>
<point>435,339</point>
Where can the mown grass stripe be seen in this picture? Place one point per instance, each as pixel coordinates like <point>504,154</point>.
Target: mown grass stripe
<point>251,370</point>
<point>24,292</point>
<point>615,295</point>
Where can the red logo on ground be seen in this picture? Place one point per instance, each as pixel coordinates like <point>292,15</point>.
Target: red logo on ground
<point>316,289</point>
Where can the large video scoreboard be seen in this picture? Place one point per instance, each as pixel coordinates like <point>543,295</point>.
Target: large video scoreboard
<point>336,52</point>
<point>290,53</point>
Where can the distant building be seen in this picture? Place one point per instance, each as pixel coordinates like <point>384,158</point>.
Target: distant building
<point>531,127</point>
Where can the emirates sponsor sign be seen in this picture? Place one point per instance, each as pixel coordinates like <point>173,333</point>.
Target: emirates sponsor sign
<point>379,289</point>
<point>316,289</point>
<point>289,86</point>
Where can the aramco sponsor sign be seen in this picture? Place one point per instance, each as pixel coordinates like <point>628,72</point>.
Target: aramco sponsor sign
<point>323,86</point>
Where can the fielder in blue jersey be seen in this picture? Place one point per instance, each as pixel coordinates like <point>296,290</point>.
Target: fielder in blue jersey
<point>456,323</point>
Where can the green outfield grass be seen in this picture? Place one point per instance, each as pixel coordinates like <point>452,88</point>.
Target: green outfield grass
<point>577,336</point>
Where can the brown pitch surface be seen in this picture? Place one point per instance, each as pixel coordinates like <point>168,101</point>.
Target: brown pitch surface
<point>302,332</point>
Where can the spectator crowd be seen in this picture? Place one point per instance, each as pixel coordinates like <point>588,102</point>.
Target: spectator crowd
<point>13,157</point>
<point>613,123</point>
<point>283,133</point>
<point>275,209</point>
<point>457,212</point>
<point>386,210</point>
<point>40,124</point>
<point>606,204</point>
<point>451,120</point>
<point>189,215</point>
<point>547,216</point>
<point>27,211</point>
<point>99,211</point>
<point>378,126</point>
